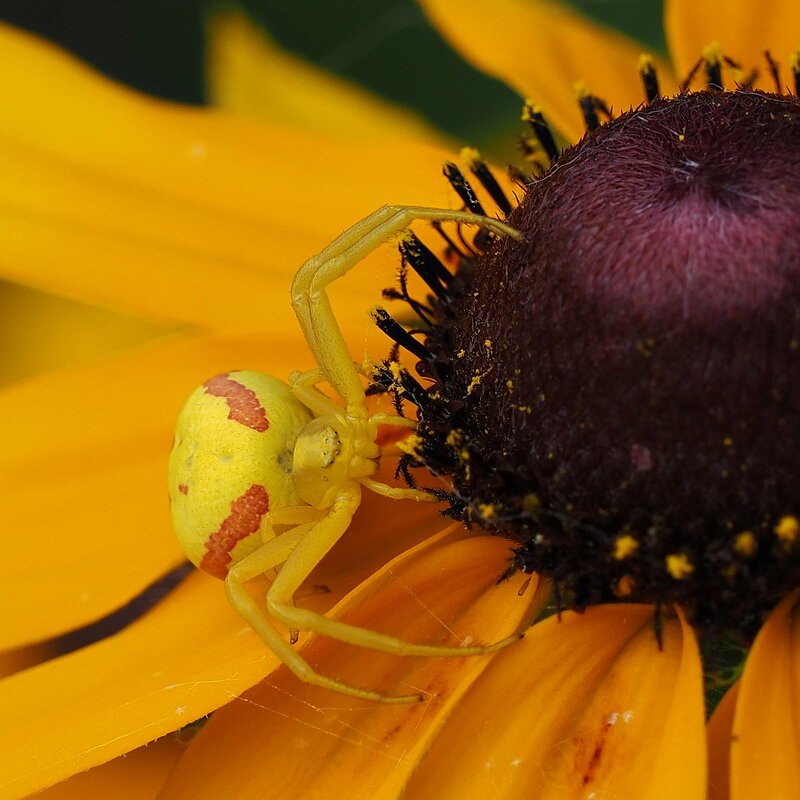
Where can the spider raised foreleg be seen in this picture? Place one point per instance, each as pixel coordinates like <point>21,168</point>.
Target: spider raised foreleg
<point>310,300</point>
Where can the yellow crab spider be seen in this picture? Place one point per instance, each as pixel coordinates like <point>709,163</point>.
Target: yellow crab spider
<point>252,453</point>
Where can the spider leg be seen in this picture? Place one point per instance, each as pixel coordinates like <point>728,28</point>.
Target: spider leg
<point>310,300</point>
<point>398,492</point>
<point>270,555</point>
<point>306,555</point>
<point>394,419</point>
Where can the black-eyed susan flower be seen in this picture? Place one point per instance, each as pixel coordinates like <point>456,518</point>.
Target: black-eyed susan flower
<point>604,703</point>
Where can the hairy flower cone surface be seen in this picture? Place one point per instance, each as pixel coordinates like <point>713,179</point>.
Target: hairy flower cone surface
<point>619,392</point>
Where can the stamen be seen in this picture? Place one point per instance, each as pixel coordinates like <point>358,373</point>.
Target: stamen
<point>437,226</point>
<point>399,334</point>
<point>712,55</point>
<point>590,104</point>
<point>420,309</point>
<point>463,188</point>
<point>649,78</point>
<point>394,377</point>
<point>532,114</point>
<point>482,172</point>
<point>402,470</point>
<point>794,65</point>
<point>774,70</point>
<point>426,265</point>
<point>467,246</point>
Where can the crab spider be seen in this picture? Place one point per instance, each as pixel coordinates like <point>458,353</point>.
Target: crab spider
<point>252,453</point>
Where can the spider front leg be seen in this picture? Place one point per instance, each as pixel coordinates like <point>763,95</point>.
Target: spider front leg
<point>310,300</point>
<point>306,555</point>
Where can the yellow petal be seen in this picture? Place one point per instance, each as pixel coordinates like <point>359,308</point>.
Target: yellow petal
<point>720,731</point>
<point>541,48</point>
<point>138,775</point>
<point>249,74</point>
<point>288,740</point>
<point>583,707</point>
<point>169,212</point>
<point>766,738</point>
<point>743,29</point>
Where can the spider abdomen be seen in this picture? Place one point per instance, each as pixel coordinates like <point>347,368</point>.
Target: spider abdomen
<point>231,464</point>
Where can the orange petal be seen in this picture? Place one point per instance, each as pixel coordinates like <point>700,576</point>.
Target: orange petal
<point>720,732</point>
<point>766,739</point>
<point>585,707</point>
<point>288,740</point>
<point>178,214</point>
<point>92,705</point>
<point>188,656</point>
<point>541,48</point>
<point>249,74</point>
<point>83,487</point>
<point>743,29</point>
<point>43,332</point>
<point>138,775</point>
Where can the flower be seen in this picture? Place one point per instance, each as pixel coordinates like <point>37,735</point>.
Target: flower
<point>583,703</point>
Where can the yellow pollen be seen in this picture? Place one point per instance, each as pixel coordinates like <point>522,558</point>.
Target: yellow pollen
<point>679,566</point>
<point>727,441</point>
<point>712,53</point>
<point>530,108</point>
<point>530,502</point>
<point>645,62</point>
<point>476,380</point>
<point>488,345</point>
<point>488,510</point>
<point>404,236</point>
<point>787,529</point>
<point>582,89</point>
<point>745,544</point>
<point>510,385</point>
<point>412,445</point>
<point>461,353</point>
<point>625,546</point>
<point>469,156</point>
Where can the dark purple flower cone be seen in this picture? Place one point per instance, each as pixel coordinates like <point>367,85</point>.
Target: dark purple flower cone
<point>623,388</point>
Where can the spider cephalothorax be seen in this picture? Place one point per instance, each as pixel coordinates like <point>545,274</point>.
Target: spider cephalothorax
<point>618,390</point>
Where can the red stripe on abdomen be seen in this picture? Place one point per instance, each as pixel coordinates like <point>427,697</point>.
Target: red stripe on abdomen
<point>244,519</point>
<point>244,407</point>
